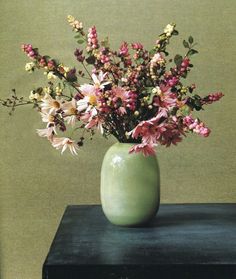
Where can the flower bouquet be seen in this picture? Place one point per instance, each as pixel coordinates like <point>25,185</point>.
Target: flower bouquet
<point>136,95</point>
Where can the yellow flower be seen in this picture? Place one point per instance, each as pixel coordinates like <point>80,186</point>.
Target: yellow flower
<point>29,67</point>
<point>51,76</point>
<point>70,18</point>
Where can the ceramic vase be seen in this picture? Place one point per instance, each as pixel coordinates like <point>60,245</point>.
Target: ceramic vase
<point>130,186</point>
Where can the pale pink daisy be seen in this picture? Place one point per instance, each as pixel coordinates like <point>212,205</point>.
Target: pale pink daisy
<point>47,132</point>
<point>99,80</point>
<point>166,100</point>
<point>146,148</point>
<point>90,97</point>
<point>48,118</point>
<point>64,143</point>
<point>170,136</point>
<point>93,120</point>
<point>70,110</point>
<point>50,105</point>
<point>149,130</point>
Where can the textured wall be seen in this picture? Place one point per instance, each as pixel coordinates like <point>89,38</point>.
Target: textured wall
<point>37,182</point>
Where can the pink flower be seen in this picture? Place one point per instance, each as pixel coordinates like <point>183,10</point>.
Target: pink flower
<point>93,120</point>
<point>128,98</point>
<point>124,49</point>
<point>213,97</point>
<point>148,130</point>
<point>166,100</point>
<point>196,126</point>
<point>172,81</point>
<point>92,39</point>
<point>137,46</point>
<point>145,148</point>
<point>170,136</point>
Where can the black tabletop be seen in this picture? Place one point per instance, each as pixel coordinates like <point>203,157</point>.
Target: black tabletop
<point>184,241</point>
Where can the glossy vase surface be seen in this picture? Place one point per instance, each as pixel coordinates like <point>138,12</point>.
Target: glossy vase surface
<point>130,186</point>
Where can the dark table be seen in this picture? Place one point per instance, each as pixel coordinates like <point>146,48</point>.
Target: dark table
<point>184,241</point>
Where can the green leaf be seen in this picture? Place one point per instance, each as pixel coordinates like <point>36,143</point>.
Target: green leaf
<point>140,60</point>
<point>77,36</point>
<point>175,32</point>
<point>56,61</point>
<point>190,39</point>
<point>197,97</point>
<point>192,52</point>
<point>186,44</point>
<point>185,110</point>
<point>178,60</point>
<point>149,89</point>
<point>81,41</point>
<point>152,52</point>
<point>151,96</point>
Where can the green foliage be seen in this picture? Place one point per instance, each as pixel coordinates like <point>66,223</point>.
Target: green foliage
<point>175,33</point>
<point>190,39</point>
<point>186,44</point>
<point>80,41</point>
<point>178,60</point>
<point>185,110</point>
<point>192,52</point>
<point>195,102</point>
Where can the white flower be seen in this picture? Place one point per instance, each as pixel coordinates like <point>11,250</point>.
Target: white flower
<point>66,69</point>
<point>35,96</point>
<point>47,90</point>
<point>47,118</point>
<point>50,105</point>
<point>169,29</point>
<point>157,90</point>
<point>87,89</point>
<point>63,143</point>
<point>90,98</point>
<point>83,104</point>
<point>89,92</point>
<point>157,59</point>
<point>70,18</point>
<point>98,80</point>
<point>47,133</point>
<point>51,76</point>
<point>70,111</point>
<point>29,67</point>
<point>58,90</point>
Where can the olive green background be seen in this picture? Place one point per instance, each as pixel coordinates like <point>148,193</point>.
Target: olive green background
<point>37,182</point>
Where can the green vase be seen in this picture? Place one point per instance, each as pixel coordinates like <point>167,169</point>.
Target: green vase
<point>130,186</point>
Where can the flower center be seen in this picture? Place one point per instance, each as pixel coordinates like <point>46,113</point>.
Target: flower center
<point>93,100</point>
<point>73,111</point>
<point>56,104</point>
<point>50,118</point>
<point>69,141</point>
